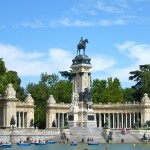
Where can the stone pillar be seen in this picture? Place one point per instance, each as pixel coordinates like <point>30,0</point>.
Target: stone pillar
<point>62,120</point>
<point>104,117</point>
<point>117,120</point>
<point>23,119</point>
<point>126,119</point>
<point>109,120</point>
<point>4,115</point>
<point>58,120</point>
<point>130,120</point>
<point>19,120</point>
<point>113,120</point>
<point>122,119</point>
<point>133,118</point>
<point>100,121</point>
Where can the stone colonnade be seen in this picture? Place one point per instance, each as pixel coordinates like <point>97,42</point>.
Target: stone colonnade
<point>119,115</point>
<point>118,120</point>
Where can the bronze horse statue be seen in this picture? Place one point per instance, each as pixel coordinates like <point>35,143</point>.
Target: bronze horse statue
<point>82,45</point>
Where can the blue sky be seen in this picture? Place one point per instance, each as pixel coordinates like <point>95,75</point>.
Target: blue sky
<point>41,36</point>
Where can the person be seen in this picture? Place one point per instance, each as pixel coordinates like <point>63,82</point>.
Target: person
<point>81,41</point>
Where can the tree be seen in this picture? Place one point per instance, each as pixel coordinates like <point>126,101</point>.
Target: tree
<point>114,91</point>
<point>48,84</point>
<point>2,67</point>
<point>67,75</point>
<point>99,91</point>
<point>12,77</point>
<point>142,79</point>
<point>62,91</point>
<point>107,91</point>
<point>129,94</point>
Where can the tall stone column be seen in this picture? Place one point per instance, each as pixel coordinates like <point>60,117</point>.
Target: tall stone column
<point>22,119</point>
<point>113,120</point>
<point>118,120</point>
<point>130,120</point>
<point>58,120</point>
<point>126,119</point>
<point>4,115</point>
<point>100,121</point>
<point>109,120</point>
<point>63,120</point>
<point>104,117</point>
<point>19,120</point>
<point>133,117</point>
<point>122,119</point>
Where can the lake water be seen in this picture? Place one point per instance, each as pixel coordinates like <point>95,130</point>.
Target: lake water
<point>82,147</point>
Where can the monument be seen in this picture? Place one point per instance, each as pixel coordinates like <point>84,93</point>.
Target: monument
<point>81,112</point>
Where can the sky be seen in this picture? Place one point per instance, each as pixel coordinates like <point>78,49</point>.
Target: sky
<point>38,36</point>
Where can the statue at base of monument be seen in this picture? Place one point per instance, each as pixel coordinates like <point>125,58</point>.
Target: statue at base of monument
<point>75,101</point>
<point>86,96</point>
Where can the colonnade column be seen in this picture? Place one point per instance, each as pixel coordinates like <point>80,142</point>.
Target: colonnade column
<point>23,119</point>
<point>117,120</point>
<point>62,120</point>
<point>133,117</point>
<point>126,120</point>
<point>4,116</point>
<point>19,120</point>
<point>130,120</point>
<point>100,123</point>
<point>113,120</point>
<point>109,120</point>
<point>58,121</point>
<point>104,118</point>
<point>121,119</point>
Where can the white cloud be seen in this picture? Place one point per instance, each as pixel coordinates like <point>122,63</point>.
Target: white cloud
<point>56,59</point>
<point>34,24</point>
<point>101,62</point>
<point>60,60</point>
<point>107,8</point>
<point>33,63</point>
<point>139,53</point>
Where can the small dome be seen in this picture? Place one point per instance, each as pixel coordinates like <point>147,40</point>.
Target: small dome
<point>81,59</point>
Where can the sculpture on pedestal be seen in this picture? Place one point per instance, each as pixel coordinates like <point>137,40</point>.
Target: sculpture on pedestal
<point>82,45</point>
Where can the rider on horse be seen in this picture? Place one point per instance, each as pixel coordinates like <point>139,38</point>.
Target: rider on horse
<point>81,41</point>
<point>82,45</point>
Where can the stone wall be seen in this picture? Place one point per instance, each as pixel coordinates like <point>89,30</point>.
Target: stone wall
<point>21,134</point>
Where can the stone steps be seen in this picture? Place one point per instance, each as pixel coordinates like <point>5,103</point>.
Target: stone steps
<point>78,133</point>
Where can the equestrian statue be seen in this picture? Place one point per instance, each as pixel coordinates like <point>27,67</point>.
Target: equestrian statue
<point>81,45</point>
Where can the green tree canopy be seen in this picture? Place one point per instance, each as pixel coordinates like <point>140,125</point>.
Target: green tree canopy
<point>48,84</point>
<point>107,91</point>
<point>12,77</point>
<point>67,75</point>
<point>142,79</point>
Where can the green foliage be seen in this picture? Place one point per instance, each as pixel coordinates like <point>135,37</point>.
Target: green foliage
<point>48,84</point>
<point>67,75</point>
<point>62,91</point>
<point>2,67</point>
<point>142,79</point>
<point>129,94</point>
<point>7,77</point>
<point>107,91</point>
